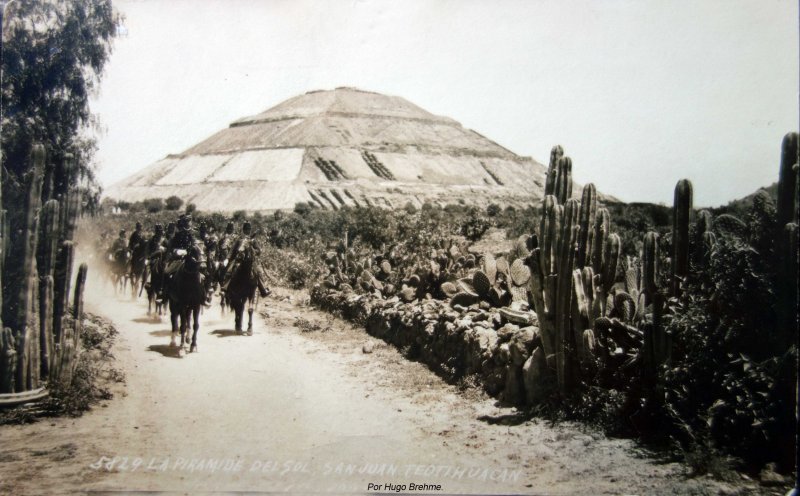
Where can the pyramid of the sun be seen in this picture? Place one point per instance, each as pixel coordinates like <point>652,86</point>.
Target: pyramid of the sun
<point>335,148</point>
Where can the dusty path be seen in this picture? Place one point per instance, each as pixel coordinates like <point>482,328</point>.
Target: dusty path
<point>306,412</point>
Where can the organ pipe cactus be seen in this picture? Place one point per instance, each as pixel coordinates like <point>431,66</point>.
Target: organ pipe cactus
<point>681,216</point>
<point>587,215</point>
<point>550,182</point>
<point>650,266</point>
<point>787,181</point>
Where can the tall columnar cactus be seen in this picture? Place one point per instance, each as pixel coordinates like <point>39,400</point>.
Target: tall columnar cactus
<point>565,340</point>
<point>587,216</point>
<point>47,250</point>
<point>681,216</point>
<point>22,284</point>
<point>61,286</point>
<point>600,232</point>
<point>650,266</point>
<point>786,239</point>
<point>563,189</point>
<point>552,171</point>
<point>787,181</point>
<point>8,361</point>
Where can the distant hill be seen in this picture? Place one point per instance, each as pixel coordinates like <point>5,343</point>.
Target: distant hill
<point>741,207</point>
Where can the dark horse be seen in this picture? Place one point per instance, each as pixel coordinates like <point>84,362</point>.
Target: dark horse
<point>185,291</point>
<point>137,268</point>
<point>119,268</point>
<point>155,285</point>
<point>241,285</point>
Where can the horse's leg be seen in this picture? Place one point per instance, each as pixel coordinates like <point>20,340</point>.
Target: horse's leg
<point>173,317</point>
<point>238,309</point>
<point>250,316</point>
<point>184,325</point>
<point>195,327</point>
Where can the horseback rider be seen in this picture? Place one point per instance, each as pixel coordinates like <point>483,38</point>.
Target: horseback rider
<point>170,232</point>
<point>247,237</point>
<point>183,239</point>
<point>226,242</point>
<point>211,241</point>
<point>156,242</point>
<point>118,254</point>
<point>119,244</point>
<point>136,237</point>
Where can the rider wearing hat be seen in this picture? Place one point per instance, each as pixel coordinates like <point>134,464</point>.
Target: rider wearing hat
<point>226,242</point>
<point>136,237</point>
<point>119,243</point>
<point>248,237</point>
<point>156,242</point>
<point>182,240</point>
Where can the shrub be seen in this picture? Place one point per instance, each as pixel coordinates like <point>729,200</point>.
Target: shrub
<point>474,226</point>
<point>493,209</point>
<point>173,203</point>
<point>301,208</point>
<point>154,205</point>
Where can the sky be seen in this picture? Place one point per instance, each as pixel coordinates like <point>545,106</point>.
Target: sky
<point>640,93</point>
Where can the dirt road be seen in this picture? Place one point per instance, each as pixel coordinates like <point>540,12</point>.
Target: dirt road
<point>291,411</point>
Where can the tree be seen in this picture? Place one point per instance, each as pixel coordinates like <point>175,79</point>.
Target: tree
<point>53,56</point>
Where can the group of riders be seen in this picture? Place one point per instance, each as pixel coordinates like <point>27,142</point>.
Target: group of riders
<point>180,265</point>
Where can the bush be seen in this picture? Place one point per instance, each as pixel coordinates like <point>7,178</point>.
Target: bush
<point>153,205</point>
<point>173,203</point>
<point>474,226</point>
<point>493,209</point>
<point>301,208</point>
<point>731,380</point>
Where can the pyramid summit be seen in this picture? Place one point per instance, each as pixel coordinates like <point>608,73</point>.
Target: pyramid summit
<point>334,148</point>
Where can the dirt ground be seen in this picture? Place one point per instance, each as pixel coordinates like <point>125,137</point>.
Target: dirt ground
<point>299,407</point>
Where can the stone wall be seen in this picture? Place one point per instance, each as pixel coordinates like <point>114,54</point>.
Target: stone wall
<point>456,343</point>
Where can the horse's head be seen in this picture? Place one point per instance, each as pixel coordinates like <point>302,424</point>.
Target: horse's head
<point>246,251</point>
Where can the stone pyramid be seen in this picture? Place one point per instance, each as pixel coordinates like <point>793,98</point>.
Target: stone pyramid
<point>336,148</point>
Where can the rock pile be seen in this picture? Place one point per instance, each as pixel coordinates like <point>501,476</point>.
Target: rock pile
<point>456,343</point>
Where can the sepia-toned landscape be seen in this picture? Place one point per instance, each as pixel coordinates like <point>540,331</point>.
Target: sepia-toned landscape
<point>344,288</point>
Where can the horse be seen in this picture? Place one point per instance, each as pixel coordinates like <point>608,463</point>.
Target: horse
<point>137,267</point>
<point>119,269</point>
<point>241,286</point>
<point>186,294</point>
<point>155,286</point>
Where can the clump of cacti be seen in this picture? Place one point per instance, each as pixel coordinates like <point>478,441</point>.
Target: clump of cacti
<point>36,272</point>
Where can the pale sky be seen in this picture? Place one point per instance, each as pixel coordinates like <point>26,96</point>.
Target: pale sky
<point>640,93</point>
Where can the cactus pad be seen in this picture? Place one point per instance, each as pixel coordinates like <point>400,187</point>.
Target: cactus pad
<point>502,265</point>
<point>520,273</point>
<point>465,286</point>
<point>449,289</point>
<point>727,224</point>
<point>408,294</point>
<point>489,267</point>
<point>519,294</point>
<point>464,299</point>
<point>624,306</point>
<point>481,283</point>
